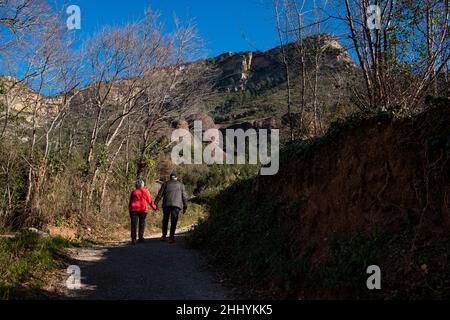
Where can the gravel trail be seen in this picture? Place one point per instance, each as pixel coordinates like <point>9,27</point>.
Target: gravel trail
<point>152,270</point>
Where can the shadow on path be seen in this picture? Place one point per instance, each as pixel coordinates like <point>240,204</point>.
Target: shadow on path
<point>152,270</point>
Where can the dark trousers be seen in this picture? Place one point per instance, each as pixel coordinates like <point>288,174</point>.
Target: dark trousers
<point>135,218</point>
<point>172,213</point>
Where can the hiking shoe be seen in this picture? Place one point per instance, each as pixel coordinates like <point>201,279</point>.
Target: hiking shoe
<point>171,241</point>
<point>163,239</point>
<point>141,241</point>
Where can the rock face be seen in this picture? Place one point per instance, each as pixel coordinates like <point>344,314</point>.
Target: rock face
<point>244,69</point>
<point>252,85</point>
<point>246,66</point>
<point>23,100</point>
<point>263,69</point>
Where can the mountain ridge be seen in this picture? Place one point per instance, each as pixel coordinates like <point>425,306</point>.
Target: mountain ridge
<point>250,86</point>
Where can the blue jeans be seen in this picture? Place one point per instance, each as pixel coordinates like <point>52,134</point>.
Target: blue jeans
<point>172,213</point>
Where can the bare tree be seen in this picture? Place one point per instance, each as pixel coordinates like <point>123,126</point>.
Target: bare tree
<point>54,73</point>
<point>22,23</point>
<point>137,75</point>
<point>283,38</point>
<point>395,69</point>
<point>181,87</point>
<point>118,60</point>
<point>38,56</point>
<point>303,44</point>
<point>296,13</point>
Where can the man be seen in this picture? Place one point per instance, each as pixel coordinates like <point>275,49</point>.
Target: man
<point>139,199</point>
<point>174,200</point>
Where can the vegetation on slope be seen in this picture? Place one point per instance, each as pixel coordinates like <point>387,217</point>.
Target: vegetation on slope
<point>25,258</point>
<point>372,191</point>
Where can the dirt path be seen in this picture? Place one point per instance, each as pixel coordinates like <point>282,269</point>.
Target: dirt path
<point>153,270</point>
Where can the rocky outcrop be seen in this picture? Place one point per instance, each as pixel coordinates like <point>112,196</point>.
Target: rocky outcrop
<point>263,69</point>
<point>21,99</point>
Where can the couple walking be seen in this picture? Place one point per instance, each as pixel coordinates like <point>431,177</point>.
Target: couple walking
<point>174,198</point>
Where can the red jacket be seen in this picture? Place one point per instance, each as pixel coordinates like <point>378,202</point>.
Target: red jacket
<point>139,199</point>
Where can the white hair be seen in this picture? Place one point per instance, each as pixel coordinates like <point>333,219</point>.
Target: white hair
<point>139,183</point>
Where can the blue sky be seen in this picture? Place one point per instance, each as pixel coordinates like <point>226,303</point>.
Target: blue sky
<point>230,25</point>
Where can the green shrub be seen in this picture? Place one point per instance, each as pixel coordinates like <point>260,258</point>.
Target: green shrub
<point>349,257</point>
<point>238,221</point>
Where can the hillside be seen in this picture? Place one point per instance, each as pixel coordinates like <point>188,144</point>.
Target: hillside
<point>372,191</point>
<point>249,87</point>
<point>252,85</point>
<point>21,100</point>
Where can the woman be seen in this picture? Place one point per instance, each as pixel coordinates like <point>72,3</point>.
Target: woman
<point>139,199</point>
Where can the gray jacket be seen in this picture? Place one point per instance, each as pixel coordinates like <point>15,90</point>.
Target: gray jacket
<point>173,194</point>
